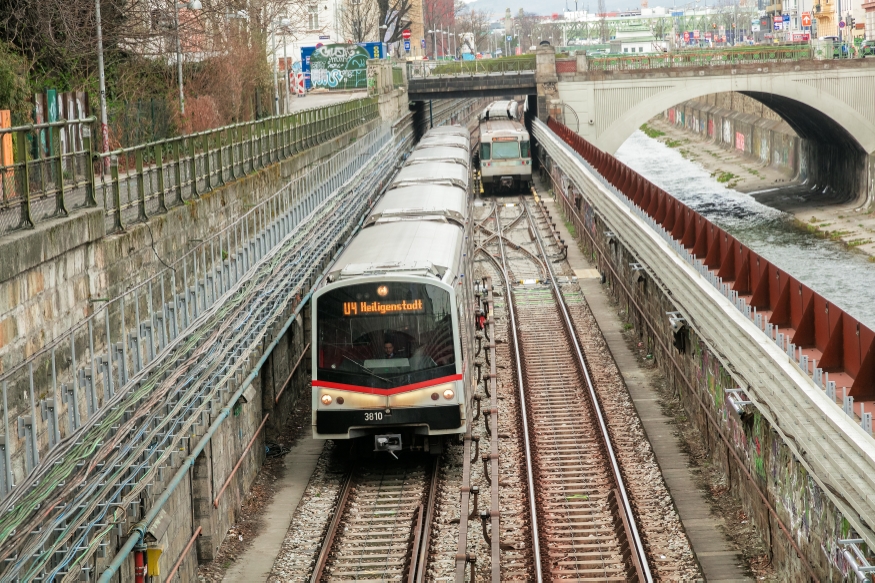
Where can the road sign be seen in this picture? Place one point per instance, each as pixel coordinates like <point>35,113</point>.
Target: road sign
<point>841,23</point>
<point>407,45</point>
<point>786,18</point>
<point>696,34</point>
<point>806,19</point>
<point>686,37</point>
<point>422,42</point>
<point>510,37</point>
<point>405,33</point>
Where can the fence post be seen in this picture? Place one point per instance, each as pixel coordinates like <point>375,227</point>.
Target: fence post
<point>159,166</point>
<point>206,145</point>
<point>192,148</point>
<point>90,181</point>
<point>141,188</point>
<point>116,195</point>
<point>231,143</point>
<point>220,166</point>
<point>23,172</point>
<point>177,153</point>
<point>60,204</point>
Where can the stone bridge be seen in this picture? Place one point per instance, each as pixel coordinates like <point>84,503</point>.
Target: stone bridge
<point>829,103</point>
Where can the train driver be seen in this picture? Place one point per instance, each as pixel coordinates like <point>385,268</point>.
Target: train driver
<point>388,349</point>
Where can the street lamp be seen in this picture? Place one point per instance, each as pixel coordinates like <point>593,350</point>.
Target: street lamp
<point>453,44</point>
<point>433,34</point>
<point>276,66</point>
<point>104,126</point>
<point>193,5</point>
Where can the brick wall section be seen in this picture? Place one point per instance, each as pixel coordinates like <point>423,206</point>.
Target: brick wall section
<point>566,66</point>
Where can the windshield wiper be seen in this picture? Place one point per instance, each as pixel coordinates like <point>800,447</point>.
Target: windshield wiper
<point>366,369</point>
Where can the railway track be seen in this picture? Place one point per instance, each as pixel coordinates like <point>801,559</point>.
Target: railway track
<point>583,527</point>
<point>381,529</point>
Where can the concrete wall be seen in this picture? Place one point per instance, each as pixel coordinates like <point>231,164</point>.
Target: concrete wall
<point>750,448</point>
<point>737,122</point>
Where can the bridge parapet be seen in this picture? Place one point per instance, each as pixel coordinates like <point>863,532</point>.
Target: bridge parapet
<point>710,63</point>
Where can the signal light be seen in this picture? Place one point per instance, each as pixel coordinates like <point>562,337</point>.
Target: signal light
<point>326,399</point>
<point>449,394</point>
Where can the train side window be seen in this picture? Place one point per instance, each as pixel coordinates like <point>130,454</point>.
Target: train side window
<point>524,150</point>
<point>485,151</point>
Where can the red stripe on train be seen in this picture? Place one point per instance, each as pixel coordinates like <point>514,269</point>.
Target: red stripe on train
<point>395,391</point>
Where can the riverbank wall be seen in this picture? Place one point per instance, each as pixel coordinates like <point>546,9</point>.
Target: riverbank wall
<point>736,122</point>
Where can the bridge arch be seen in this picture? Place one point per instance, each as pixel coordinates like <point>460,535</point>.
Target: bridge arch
<point>811,110</point>
<point>832,111</point>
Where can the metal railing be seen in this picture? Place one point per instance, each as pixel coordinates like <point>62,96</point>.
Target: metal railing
<point>50,161</point>
<point>56,169</point>
<point>397,77</point>
<point>702,58</point>
<point>506,66</point>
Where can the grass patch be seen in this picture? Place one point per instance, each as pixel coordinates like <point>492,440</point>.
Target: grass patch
<point>651,132</point>
<point>724,177</point>
<point>673,143</point>
<point>571,229</point>
<point>857,242</point>
<point>753,171</point>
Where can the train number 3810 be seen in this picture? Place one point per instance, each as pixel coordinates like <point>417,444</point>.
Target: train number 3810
<point>373,416</point>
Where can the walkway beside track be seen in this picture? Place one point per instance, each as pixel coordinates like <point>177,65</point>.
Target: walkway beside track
<point>718,560</point>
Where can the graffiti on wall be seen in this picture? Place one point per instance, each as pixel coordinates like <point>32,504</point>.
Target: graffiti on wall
<point>339,66</point>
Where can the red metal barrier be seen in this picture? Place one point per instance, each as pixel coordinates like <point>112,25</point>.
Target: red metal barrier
<point>837,342</point>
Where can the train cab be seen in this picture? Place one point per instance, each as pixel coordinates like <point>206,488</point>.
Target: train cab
<point>391,349</point>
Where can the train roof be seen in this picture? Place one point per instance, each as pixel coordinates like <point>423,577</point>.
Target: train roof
<point>426,248</point>
<point>500,110</point>
<point>451,140</point>
<point>450,130</point>
<point>432,173</point>
<point>505,127</point>
<point>436,202</point>
<point>437,154</point>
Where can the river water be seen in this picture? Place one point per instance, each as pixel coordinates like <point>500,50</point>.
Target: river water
<point>843,276</point>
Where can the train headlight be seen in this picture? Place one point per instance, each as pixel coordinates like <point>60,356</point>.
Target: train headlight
<point>449,394</point>
<point>326,399</point>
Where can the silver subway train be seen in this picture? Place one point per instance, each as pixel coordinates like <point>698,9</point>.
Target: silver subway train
<point>505,149</point>
<point>392,322</point>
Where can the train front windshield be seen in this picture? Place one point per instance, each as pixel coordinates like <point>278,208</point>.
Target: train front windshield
<point>385,334</point>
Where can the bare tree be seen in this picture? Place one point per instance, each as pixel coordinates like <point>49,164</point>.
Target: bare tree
<point>604,31</point>
<point>395,16</point>
<point>359,20</point>
<point>475,23</point>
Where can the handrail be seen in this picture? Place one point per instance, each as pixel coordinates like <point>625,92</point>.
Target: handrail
<point>56,167</point>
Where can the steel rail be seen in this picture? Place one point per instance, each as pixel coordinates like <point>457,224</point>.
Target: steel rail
<point>420,569</point>
<point>635,542</point>
<point>333,526</point>
<point>682,374</point>
<point>530,480</point>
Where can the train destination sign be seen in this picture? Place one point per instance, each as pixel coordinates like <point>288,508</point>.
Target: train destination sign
<point>382,308</point>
